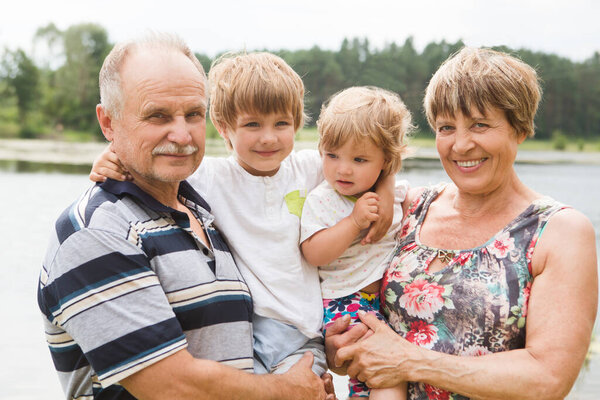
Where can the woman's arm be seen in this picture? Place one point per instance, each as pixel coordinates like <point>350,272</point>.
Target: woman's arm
<point>561,313</point>
<point>329,244</point>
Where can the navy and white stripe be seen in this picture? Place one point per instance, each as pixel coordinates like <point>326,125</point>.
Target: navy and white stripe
<point>126,283</point>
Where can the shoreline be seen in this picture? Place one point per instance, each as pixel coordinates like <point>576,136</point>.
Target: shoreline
<point>48,152</point>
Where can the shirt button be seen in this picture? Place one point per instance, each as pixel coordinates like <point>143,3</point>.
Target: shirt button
<point>205,251</point>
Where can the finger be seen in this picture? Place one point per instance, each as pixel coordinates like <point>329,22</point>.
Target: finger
<point>344,354</point>
<point>306,360</point>
<point>94,177</point>
<point>328,383</point>
<point>340,325</point>
<point>366,335</point>
<point>370,320</point>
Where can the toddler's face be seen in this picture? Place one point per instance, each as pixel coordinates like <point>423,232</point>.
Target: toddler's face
<point>353,168</point>
<point>261,142</point>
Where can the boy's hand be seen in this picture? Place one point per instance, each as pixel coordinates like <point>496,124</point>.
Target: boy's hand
<point>108,165</point>
<point>366,210</point>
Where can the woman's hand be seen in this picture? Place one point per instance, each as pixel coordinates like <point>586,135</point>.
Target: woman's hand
<point>337,336</point>
<point>108,165</point>
<point>378,359</point>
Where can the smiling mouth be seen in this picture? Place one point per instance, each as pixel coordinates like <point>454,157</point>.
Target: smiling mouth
<point>470,163</point>
<point>266,153</point>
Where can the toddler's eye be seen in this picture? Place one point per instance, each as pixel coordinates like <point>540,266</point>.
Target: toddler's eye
<point>359,160</point>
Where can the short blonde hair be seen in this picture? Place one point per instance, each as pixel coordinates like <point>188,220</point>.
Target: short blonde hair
<point>366,112</point>
<point>255,83</point>
<point>481,79</point>
<point>111,92</point>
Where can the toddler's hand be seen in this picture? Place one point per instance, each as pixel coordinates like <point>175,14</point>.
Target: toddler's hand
<point>366,210</point>
<point>108,165</point>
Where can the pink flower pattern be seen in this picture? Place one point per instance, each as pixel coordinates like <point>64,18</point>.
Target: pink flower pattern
<point>422,298</point>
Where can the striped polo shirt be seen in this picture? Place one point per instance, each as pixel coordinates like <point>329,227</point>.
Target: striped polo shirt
<point>126,283</point>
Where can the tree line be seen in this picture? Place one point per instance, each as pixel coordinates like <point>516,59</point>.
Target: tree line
<point>55,87</point>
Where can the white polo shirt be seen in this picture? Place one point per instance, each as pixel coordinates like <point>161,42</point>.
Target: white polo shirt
<point>259,216</point>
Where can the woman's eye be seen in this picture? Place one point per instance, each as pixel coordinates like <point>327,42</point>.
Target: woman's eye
<point>480,125</point>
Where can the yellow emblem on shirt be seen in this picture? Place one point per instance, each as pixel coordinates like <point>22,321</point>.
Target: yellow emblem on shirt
<point>295,201</point>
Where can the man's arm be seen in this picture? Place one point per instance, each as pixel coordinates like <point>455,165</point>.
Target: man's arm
<point>328,244</point>
<point>181,376</point>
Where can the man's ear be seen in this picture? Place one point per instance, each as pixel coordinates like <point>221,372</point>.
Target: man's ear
<point>105,122</point>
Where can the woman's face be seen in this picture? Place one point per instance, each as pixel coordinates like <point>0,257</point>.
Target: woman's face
<point>477,152</point>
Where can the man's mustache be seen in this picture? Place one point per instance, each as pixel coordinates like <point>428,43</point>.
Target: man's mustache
<point>172,148</point>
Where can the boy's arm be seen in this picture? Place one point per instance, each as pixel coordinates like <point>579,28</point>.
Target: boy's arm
<point>330,243</point>
<point>108,165</point>
<point>385,189</point>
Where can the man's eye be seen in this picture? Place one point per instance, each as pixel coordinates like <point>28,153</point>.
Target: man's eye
<point>158,116</point>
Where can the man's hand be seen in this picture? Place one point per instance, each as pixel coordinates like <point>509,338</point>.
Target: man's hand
<point>108,165</point>
<point>303,382</point>
<point>366,210</point>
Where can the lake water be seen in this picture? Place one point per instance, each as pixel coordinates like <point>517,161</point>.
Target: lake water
<point>32,201</point>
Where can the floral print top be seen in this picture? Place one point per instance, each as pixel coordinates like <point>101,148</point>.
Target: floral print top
<point>475,305</point>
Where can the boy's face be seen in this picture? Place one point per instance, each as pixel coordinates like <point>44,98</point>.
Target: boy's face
<point>262,141</point>
<point>353,168</point>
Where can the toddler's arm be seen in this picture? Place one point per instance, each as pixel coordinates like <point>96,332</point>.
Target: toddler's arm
<point>108,165</point>
<point>328,244</point>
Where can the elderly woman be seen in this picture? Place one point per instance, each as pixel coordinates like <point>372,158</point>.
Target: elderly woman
<point>493,289</point>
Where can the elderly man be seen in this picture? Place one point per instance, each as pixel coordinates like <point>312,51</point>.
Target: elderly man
<point>140,294</point>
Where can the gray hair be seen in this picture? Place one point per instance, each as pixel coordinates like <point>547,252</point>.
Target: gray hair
<point>111,94</point>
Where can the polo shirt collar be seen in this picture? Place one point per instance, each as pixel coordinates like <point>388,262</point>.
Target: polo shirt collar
<point>121,188</point>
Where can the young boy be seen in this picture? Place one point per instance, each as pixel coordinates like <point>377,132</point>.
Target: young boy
<point>256,196</point>
<point>361,136</point>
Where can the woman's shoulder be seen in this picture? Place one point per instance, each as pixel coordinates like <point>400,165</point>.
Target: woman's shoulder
<point>418,194</point>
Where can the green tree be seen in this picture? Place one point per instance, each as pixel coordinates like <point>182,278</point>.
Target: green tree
<point>21,78</point>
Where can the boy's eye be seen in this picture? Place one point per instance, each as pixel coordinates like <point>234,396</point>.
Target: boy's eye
<point>251,124</point>
<point>330,155</point>
<point>283,123</point>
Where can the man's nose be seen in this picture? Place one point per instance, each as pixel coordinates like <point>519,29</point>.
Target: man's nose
<point>180,131</point>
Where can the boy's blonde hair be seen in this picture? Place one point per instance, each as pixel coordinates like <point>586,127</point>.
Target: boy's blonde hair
<point>366,112</point>
<point>259,83</point>
<point>482,79</point>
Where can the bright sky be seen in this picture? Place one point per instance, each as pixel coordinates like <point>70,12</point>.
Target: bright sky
<point>568,28</point>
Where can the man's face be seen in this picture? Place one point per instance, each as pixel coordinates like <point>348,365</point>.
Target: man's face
<point>161,132</point>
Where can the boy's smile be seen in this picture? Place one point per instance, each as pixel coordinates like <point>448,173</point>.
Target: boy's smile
<point>261,142</point>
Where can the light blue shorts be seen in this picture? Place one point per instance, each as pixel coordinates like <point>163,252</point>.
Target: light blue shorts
<point>278,346</point>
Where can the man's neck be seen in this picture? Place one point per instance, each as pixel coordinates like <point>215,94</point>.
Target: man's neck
<point>163,192</point>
